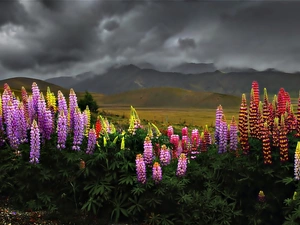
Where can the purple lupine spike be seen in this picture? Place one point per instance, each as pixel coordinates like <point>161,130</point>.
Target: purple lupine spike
<point>72,107</point>
<point>5,100</point>
<point>182,165</point>
<point>92,140</point>
<point>41,109</point>
<point>35,96</point>
<point>140,168</point>
<point>219,113</point>
<point>156,173</point>
<point>62,103</point>
<point>22,128</point>
<point>62,130</point>
<point>11,126</point>
<point>48,124</point>
<point>185,144</point>
<point>223,135</point>
<point>31,111</point>
<point>78,130</point>
<point>233,135</point>
<point>148,151</point>
<point>170,131</point>
<point>164,156</point>
<point>34,143</point>
<point>184,131</point>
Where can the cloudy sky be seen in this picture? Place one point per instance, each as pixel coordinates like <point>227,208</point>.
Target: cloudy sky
<point>47,38</point>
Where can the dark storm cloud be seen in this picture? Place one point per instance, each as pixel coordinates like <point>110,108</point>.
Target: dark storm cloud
<point>65,37</point>
<point>185,43</point>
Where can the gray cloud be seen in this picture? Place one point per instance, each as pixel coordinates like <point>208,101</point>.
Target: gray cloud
<point>48,37</point>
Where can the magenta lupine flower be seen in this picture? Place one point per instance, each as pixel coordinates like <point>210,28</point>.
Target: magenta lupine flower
<point>62,130</point>
<point>195,138</point>
<point>140,168</point>
<point>233,135</point>
<point>170,131</point>
<point>182,165</point>
<point>185,144</point>
<point>12,126</point>
<point>72,107</point>
<point>184,131</point>
<point>165,155</point>
<point>62,103</point>
<point>48,124</point>
<point>34,143</point>
<point>156,173</point>
<point>78,130</point>
<point>175,140</point>
<point>148,151</point>
<point>92,140</point>
<point>35,96</point>
<point>207,136</point>
<point>219,114</point>
<point>297,162</point>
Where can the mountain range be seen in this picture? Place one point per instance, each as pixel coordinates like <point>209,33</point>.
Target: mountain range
<point>190,76</point>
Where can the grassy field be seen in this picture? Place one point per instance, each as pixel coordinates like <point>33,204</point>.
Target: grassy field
<point>169,116</point>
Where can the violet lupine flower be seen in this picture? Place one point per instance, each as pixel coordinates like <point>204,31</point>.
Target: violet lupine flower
<point>219,114</point>
<point>148,151</point>
<point>72,107</point>
<point>233,135</point>
<point>182,165</point>
<point>5,100</point>
<point>22,128</point>
<point>140,168</point>
<point>12,126</point>
<point>156,172</point>
<point>78,130</point>
<point>31,111</point>
<point>92,140</point>
<point>35,96</point>
<point>297,162</point>
<point>223,135</point>
<point>62,103</point>
<point>41,109</point>
<point>62,130</point>
<point>34,143</point>
<point>164,156</point>
<point>184,131</point>
<point>170,131</point>
<point>48,124</point>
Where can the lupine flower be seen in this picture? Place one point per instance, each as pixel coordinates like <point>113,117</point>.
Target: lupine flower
<point>48,124</point>
<point>219,113</point>
<point>223,135</point>
<point>255,88</point>
<point>233,135</point>
<point>78,130</point>
<point>72,107</point>
<point>5,99</point>
<point>297,162</point>
<point>35,96</point>
<point>182,165</point>
<point>283,142</point>
<point>62,103</point>
<point>175,141</point>
<point>122,143</point>
<point>98,127</point>
<point>41,108</point>
<point>87,113</point>
<point>184,131</point>
<point>140,169</point>
<point>185,144</point>
<point>148,151</point>
<point>92,139</point>
<point>12,126</point>
<point>156,173</point>
<point>207,136</point>
<point>195,138</point>
<point>243,125</point>
<point>165,155</point>
<point>22,128</point>
<point>266,145</point>
<point>61,130</point>
<point>34,143</point>
<point>31,111</point>
<point>261,196</point>
<point>170,131</point>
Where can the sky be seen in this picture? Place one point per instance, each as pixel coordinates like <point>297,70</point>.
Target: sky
<point>50,38</point>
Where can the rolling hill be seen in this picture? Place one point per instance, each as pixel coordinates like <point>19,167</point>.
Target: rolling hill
<point>168,97</point>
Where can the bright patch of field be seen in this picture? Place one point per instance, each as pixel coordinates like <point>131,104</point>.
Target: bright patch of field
<point>170,116</point>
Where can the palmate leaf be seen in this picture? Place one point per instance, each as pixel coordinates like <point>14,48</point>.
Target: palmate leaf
<point>137,205</point>
<point>138,190</point>
<point>120,204</point>
<point>127,179</point>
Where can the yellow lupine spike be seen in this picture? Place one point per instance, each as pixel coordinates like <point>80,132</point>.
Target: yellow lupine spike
<point>266,94</point>
<point>115,140</point>
<point>0,105</point>
<point>158,133</point>
<point>104,141</point>
<point>88,115</point>
<point>295,195</point>
<point>150,133</point>
<point>123,143</point>
<point>112,128</point>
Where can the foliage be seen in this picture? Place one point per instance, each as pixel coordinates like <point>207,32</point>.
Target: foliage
<point>89,101</point>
